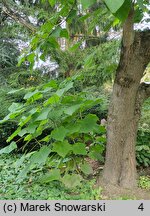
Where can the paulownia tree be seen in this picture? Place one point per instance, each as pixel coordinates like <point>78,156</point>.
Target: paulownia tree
<point>126,102</point>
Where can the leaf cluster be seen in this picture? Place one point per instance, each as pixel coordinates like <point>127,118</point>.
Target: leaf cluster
<point>72,137</point>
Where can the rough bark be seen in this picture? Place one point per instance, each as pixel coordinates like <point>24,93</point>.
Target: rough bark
<point>125,107</point>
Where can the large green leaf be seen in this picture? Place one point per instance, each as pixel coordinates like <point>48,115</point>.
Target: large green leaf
<point>51,176</point>
<point>43,114</point>
<point>40,156</point>
<point>86,168</point>
<point>61,91</point>
<point>32,127</point>
<point>59,133</point>
<point>62,148</point>
<point>79,149</point>
<point>71,109</point>
<point>123,11</point>
<point>53,84</point>
<point>114,5</point>
<point>73,128</point>
<point>9,148</point>
<point>71,181</point>
<point>89,124</point>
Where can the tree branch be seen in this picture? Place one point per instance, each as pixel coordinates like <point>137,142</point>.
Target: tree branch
<point>15,16</point>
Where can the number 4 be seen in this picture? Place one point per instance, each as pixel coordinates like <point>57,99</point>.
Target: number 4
<point>141,207</point>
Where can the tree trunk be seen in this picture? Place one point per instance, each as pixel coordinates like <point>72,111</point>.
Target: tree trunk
<point>125,107</point>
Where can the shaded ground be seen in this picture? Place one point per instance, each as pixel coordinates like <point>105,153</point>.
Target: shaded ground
<point>114,192</point>
<point>110,192</point>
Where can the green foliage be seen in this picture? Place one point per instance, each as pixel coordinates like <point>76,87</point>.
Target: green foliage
<point>100,63</point>
<point>145,120</point>
<point>8,59</point>
<point>32,189</point>
<point>143,137</point>
<point>144,182</point>
<point>70,129</point>
<point>8,55</point>
<point>96,64</point>
<point>143,148</point>
<point>6,99</point>
<point>87,3</point>
<point>121,8</point>
<point>115,5</point>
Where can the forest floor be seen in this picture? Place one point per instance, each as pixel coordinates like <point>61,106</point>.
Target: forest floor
<point>111,192</point>
<point>30,188</point>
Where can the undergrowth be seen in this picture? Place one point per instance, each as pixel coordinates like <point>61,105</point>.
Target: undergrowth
<point>30,188</point>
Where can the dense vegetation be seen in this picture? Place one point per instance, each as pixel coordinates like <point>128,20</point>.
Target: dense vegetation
<point>53,122</point>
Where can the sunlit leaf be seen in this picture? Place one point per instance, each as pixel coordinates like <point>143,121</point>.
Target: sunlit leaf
<point>114,5</point>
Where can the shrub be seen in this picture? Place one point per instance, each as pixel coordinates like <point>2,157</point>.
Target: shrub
<point>72,137</point>
<point>143,148</point>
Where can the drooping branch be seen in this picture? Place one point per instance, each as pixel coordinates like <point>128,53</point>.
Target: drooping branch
<point>15,16</point>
